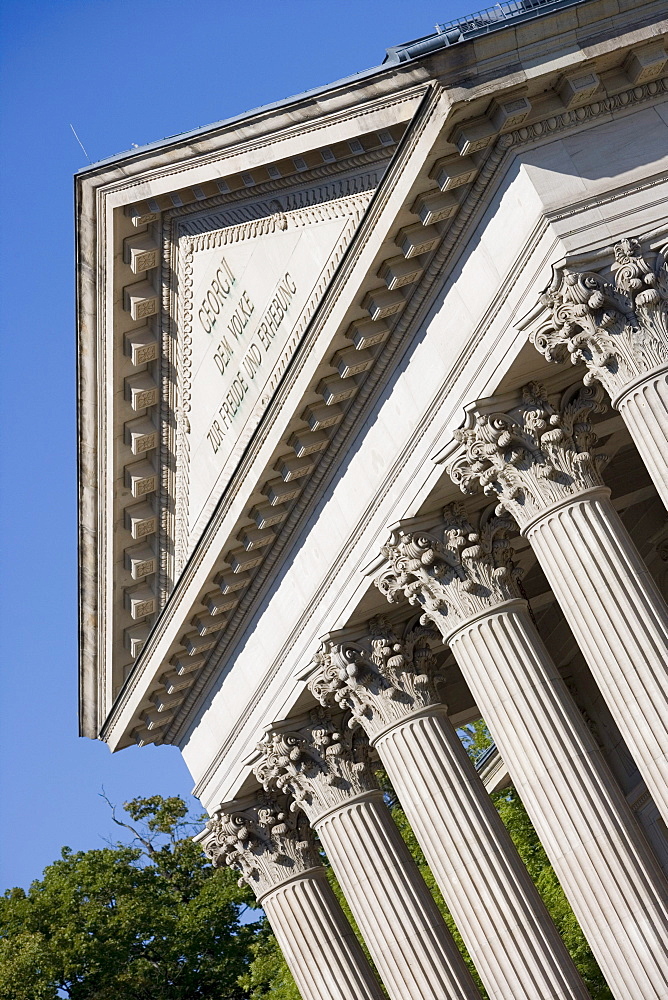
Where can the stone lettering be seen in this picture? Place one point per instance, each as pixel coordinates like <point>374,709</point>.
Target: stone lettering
<point>215,296</point>
<point>252,360</point>
<point>241,315</point>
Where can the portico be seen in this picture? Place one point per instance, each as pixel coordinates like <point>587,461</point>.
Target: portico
<point>373,415</point>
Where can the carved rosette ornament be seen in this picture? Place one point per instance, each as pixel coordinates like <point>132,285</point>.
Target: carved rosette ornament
<point>465,572</point>
<point>618,329</point>
<point>381,678</point>
<point>534,455</point>
<point>266,843</point>
<point>318,764</point>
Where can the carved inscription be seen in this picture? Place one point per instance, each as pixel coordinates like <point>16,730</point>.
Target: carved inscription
<point>248,295</point>
<point>241,368</point>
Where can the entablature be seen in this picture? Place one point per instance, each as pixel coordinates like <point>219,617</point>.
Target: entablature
<point>373,216</point>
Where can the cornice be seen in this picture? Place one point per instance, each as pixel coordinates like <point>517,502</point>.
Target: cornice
<point>501,150</point>
<point>272,416</point>
<point>415,307</point>
<point>95,205</point>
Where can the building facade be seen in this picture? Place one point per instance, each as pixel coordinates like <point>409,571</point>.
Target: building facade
<point>373,423</point>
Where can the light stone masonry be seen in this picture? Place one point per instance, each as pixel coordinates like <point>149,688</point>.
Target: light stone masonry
<point>538,460</point>
<point>274,851</point>
<point>388,684</point>
<point>466,583</point>
<point>326,770</point>
<point>620,332</point>
<point>280,319</point>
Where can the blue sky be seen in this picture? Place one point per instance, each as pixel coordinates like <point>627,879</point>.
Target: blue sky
<point>120,73</point>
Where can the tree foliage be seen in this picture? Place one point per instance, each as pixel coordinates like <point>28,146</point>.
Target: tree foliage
<point>150,919</point>
<point>145,920</point>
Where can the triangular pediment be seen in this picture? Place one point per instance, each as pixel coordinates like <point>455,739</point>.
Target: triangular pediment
<point>247,284</point>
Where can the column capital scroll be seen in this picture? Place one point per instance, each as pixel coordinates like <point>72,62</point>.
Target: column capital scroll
<point>320,763</point>
<point>380,677</point>
<point>457,576</point>
<point>266,842</point>
<point>618,328</point>
<point>535,454</point>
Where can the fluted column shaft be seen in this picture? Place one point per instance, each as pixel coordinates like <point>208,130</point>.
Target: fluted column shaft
<point>325,767</point>
<point>583,821</point>
<point>618,618</point>
<point>318,943</point>
<point>274,851</point>
<point>538,460</point>
<point>644,408</point>
<point>505,926</point>
<point>405,933</point>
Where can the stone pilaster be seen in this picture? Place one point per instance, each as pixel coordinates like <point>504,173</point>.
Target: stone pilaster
<point>387,682</point>
<point>325,769</point>
<point>274,852</point>
<point>464,580</point>
<point>619,329</point>
<point>538,460</point>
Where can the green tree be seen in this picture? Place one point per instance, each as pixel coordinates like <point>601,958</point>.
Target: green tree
<point>145,920</point>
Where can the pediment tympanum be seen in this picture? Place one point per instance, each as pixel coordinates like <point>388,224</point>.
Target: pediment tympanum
<point>246,291</point>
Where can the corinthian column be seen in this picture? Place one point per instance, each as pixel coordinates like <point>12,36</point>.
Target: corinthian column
<point>274,852</point>
<point>620,331</point>
<point>326,770</point>
<point>537,460</point>
<point>464,580</point>
<point>388,683</point>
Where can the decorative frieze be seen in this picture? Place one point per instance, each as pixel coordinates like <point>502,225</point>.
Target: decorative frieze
<point>532,455</point>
